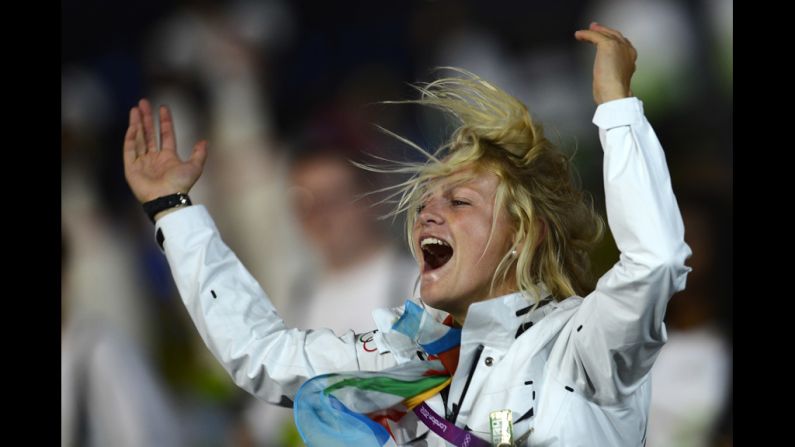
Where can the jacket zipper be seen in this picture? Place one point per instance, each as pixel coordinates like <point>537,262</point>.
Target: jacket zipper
<point>457,408</point>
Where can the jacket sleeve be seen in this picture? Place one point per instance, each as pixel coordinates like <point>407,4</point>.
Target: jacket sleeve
<point>617,332</point>
<point>239,324</point>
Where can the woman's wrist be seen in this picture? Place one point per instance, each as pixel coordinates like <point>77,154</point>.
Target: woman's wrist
<point>160,206</point>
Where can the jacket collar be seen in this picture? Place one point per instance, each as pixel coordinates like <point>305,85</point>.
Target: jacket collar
<point>495,322</point>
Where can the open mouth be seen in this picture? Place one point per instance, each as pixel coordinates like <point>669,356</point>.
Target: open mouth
<point>435,252</point>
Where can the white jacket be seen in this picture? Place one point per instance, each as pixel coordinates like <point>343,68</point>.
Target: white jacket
<point>574,373</point>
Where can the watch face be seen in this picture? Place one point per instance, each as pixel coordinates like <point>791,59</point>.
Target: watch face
<point>184,199</point>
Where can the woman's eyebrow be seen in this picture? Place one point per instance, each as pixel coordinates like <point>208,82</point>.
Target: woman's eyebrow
<point>458,187</point>
<point>450,186</point>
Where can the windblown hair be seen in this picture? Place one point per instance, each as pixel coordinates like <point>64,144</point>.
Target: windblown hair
<point>554,221</point>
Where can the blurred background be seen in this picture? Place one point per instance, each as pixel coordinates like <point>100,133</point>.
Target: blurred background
<point>286,93</point>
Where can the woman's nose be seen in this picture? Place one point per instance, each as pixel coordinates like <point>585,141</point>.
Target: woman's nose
<point>431,213</point>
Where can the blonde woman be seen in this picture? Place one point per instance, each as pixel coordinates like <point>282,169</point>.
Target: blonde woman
<point>501,236</point>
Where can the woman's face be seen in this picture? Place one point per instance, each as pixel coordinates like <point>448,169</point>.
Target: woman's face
<point>451,235</point>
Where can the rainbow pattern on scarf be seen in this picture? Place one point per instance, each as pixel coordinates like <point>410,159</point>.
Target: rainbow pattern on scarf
<point>353,409</point>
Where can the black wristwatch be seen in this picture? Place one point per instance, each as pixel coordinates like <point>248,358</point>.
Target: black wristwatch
<point>153,207</point>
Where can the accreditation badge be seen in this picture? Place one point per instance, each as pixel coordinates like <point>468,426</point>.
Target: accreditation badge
<point>501,423</point>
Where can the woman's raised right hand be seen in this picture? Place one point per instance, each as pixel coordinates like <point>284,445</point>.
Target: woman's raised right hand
<point>154,172</point>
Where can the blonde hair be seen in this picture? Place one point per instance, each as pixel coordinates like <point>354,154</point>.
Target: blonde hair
<point>537,185</point>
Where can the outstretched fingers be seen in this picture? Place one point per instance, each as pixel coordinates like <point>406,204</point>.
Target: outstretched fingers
<point>597,33</point>
<point>135,134</point>
<point>606,30</point>
<point>168,140</point>
<point>130,152</point>
<point>594,37</point>
<point>149,125</point>
<point>199,154</point>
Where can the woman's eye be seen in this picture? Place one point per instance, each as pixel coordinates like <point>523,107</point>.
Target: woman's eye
<point>457,202</point>
<point>420,208</point>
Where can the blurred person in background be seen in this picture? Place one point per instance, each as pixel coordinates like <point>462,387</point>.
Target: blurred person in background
<point>356,270</point>
<point>347,265</point>
<point>359,269</point>
<point>111,392</point>
<point>210,63</point>
<point>605,365</point>
<point>111,395</point>
<point>691,380</point>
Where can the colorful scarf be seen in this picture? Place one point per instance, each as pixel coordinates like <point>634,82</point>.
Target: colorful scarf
<point>353,409</point>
